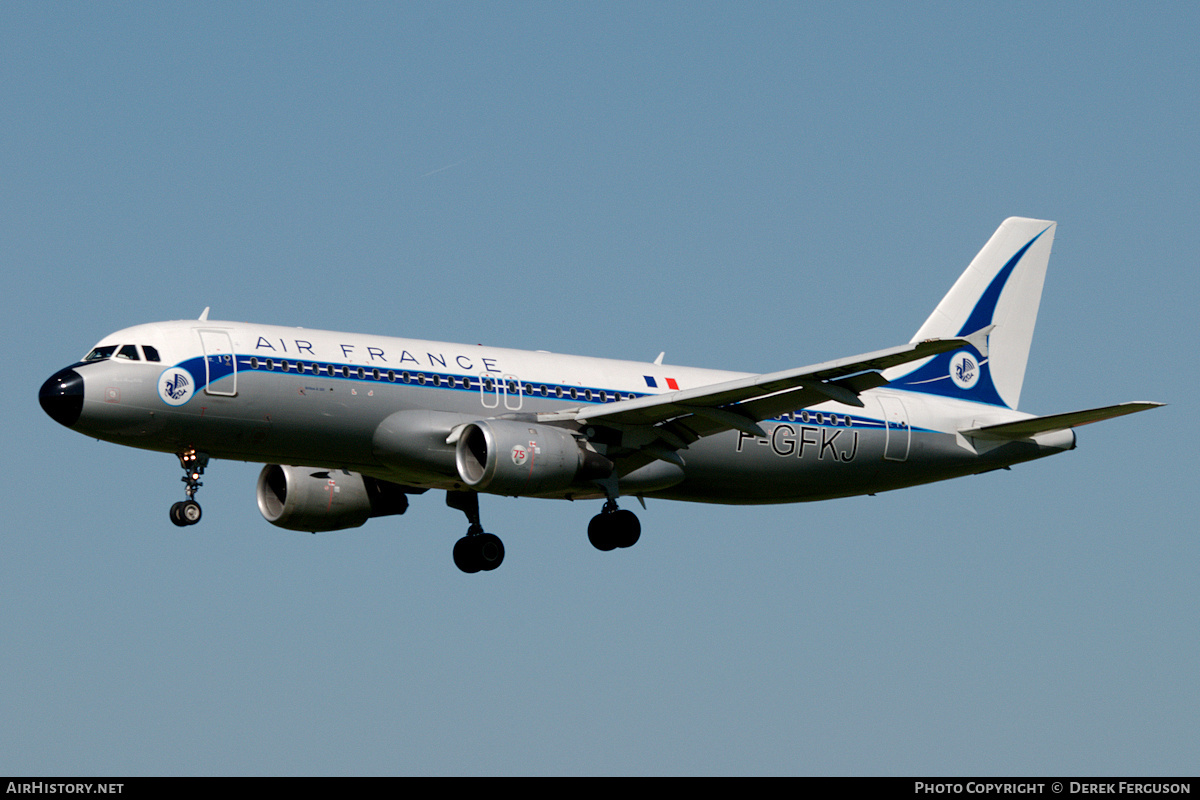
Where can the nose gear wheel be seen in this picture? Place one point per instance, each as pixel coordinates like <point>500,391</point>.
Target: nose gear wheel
<point>185,513</point>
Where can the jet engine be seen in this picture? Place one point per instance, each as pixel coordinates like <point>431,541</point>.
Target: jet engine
<point>518,458</point>
<point>314,499</point>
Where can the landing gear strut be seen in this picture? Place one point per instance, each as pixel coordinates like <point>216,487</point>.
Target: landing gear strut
<point>614,527</point>
<point>187,512</point>
<point>477,550</point>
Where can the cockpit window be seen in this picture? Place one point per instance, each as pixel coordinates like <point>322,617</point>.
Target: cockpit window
<point>151,353</point>
<point>101,353</point>
<point>130,352</point>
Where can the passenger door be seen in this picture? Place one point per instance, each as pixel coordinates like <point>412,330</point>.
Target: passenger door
<point>220,366</point>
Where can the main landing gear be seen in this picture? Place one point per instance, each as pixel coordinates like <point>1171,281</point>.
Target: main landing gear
<point>481,552</point>
<point>477,551</point>
<point>187,512</point>
<point>614,527</point>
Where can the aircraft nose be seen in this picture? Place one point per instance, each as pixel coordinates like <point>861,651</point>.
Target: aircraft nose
<point>62,396</point>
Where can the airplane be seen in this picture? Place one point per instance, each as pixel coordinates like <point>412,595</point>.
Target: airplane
<point>350,425</point>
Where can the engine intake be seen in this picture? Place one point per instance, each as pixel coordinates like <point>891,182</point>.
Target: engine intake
<point>519,458</point>
<point>314,499</point>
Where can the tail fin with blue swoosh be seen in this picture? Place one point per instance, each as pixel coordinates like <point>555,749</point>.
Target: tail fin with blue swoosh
<point>1001,288</point>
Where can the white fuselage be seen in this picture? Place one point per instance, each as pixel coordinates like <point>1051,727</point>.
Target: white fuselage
<point>297,396</point>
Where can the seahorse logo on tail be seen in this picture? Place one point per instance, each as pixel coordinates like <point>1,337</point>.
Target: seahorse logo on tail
<point>963,370</point>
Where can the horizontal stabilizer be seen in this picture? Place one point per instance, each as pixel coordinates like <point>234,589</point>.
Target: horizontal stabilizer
<point>1027,428</point>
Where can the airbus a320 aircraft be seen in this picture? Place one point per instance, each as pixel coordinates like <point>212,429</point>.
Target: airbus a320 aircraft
<point>350,425</point>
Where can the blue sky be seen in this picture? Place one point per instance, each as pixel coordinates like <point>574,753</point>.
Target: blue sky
<point>745,186</point>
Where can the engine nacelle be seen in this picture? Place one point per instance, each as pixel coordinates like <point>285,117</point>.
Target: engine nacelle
<point>315,499</point>
<point>519,458</point>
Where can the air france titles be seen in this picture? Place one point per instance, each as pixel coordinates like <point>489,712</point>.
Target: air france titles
<point>786,442</point>
<point>376,355</point>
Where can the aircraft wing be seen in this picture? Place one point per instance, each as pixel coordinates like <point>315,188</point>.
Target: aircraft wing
<point>680,418</point>
<point>1026,428</point>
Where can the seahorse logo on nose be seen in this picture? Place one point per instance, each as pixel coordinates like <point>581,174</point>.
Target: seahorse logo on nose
<point>175,386</point>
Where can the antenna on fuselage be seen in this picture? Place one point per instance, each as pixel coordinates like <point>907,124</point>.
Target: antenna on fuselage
<point>204,314</point>
<point>660,358</point>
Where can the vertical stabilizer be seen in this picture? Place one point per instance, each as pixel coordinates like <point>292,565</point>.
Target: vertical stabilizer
<point>1001,287</point>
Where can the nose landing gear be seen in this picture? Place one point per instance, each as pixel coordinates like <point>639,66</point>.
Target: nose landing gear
<point>187,512</point>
